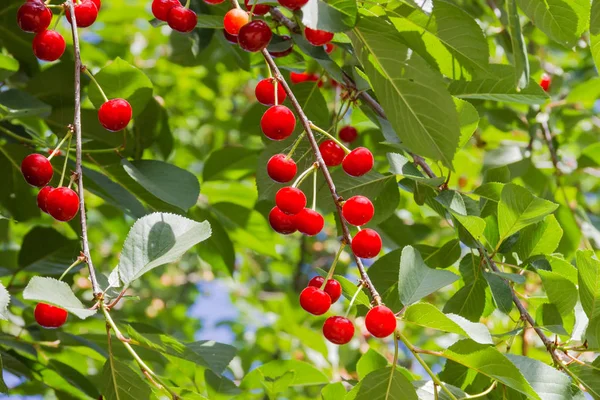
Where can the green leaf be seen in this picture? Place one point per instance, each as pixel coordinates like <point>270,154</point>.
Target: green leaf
<point>468,118</point>
<point>229,163</point>
<point>275,385</point>
<point>120,382</point>
<point>218,249</point>
<point>547,382</point>
<point>595,32</point>
<point>539,239</point>
<point>4,301</point>
<point>305,374</point>
<point>369,362</point>
<point>428,390</point>
<point>3,387</point>
<point>158,239</point>
<point>46,251</point>
<point>470,228</point>
<point>441,257</point>
<point>220,387</point>
<point>333,391</point>
<point>15,103</point>
<point>74,377</point>
<point>408,91</point>
<point>589,376</point>
<point>548,317</point>
<point>560,291</point>
<point>331,16</point>
<point>8,66</point>
<point>589,282</point>
<point>592,332</point>
<point>469,301</point>
<point>500,292</point>
<point>58,293</point>
<point>401,165</point>
<point>519,50</point>
<point>385,384</point>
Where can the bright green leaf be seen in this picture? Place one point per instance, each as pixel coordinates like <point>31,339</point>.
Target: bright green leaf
<point>58,293</point>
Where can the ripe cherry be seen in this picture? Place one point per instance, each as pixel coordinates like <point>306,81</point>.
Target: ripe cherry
<point>278,122</point>
<point>49,316</point>
<point>329,48</point>
<point>234,19</point>
<point>259,9</point>
<point>265,92</point>
<point>332,288</point>
<point>348,134</point>
<point>98,4</point>
<point>34,17</point>
<point>254,36</point>
<point>86,13</point>
<point>309,222</point>
<point>36,170</point>
<point>317,37</point>
<point>366,243</point>
<point>42,196</point>
<point>338,330</point>
<point>115,114</point>
<point>299,77</point>
<point>283,53</point>
<point>233,39</point>
<point>161,8</point>
<point>292,4</point>
<point>332,153</point>
<point>290,200</point>
<point>315,300</point>
<point>281,168</point>
<point>281,222</point>
<point>545,82</point>
<point>62,204</point>
<point>380,321</point>
<point>182,19</point>
<point>358,210</point>
<point>358,162</point>
<point>48,45</point>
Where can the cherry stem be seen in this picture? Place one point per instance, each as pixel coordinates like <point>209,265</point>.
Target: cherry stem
<point>333,265</point>
<point>93,78</point>
<point>76,263</point>
<point>187,4</point>
<point>353,299</point>
<point>254,3</point>
<point>64,169</point>
<point>59,145</point>
<point>343,107</point>
<point>304,174</point>
<point>58,18</point>
<point>330,136</point>
<point>295,145</point>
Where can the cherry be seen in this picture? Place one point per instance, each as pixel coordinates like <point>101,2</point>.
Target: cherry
<point>48,45</point>
<point>292,4</point>
<point>213,2</point>
<point>299,77</point>
<point>42,196</point>
<point>281,168</point>
<point>62,204</point>
<point>283,53</point>
<point>182,19</point>
<point>348,134</point>
<point>86,13</point>
<point>545,82</point>
<point>49,316</point>
<point>309,222</point>
<point>338,330</point>
<point>290,200</point>
<point>278,122</point>
<point>234,19</point>
<point>332,288</point>
<point>98,4</point>
<point>281,222</point>
<point>233,39</point>
<point>366,243</point>
<point>34,17</point>
<point>317,37</point>
<point>161,8</point>
<point>315,300</point>
<point>36,170</point>
<point>358,162</point>
<point>380,321</point>
<point>265,92</point>
<point>329,48</point>
<point>254,36</point>
<point>115,114</point>
<point>332,153</point>
<point>259,9</point>
<point>358,210</point>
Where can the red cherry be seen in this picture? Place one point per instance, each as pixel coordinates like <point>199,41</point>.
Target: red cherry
<point>182,19</point>
<point>332,153</point>
<point>332,288</point>
<point>233,39</point>
<point>278,122</point>
<point>317,37</point>
<point>254,36</point>
<point>338,330</point>
<point>358,210</point>
<point>62,204</point>
<point>315,300</point>
<point>366,243</point>
<point>329,47</point>
<point>49,316</point>
<point>213,2</point>
<point>234,20</point>
<point>115,114</point>
<point>42,196</point>
<point>283,53</point>
<point>292,4</point>
<point>281,222</point>
<point>309,222</point>
<point>36,170</point>
<point>290,200</point>
<point>86,13</point>
<point>358,162</point>
<point>259,9</point>
<point>545,82</point>
<point>265,92</point>
<point>281,168</point>
<point>299,77</point>
<point>98,4</point>
<point>34,17</point>
<point>348,134</point>
<point>161,8</point>
<point>380,321</point>
<point>48,45</point>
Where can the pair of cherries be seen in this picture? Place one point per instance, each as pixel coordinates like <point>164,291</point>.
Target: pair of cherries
<point>178,17</point>
<point>290,213</point>
<point>380,322</point>
<point>278,122</point>
<point>356,163</point>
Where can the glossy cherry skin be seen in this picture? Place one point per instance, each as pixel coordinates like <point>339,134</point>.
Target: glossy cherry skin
<point>233,39</point>
<point>36,170</point>
<point>338,330</point>
<point>329,47</point>
<point>545,82</point>
<point>259,9</point>
<point>380,321</point>
<point>315,300</point>
<point>317,37</point>
<point>309,222</point>
<point>281,168</point>
<point>34,17</point>
<point>254,36</point>
<point>282,222</point>
<point>348,134</point>
<point>332,288</point>
<point>283,53</point>
<point>182,19</point>
<point>299,77</point>
<point>290,200</point>
<point>115,114</point>
<point>265,92</point>
<point>234,19</point>
<point>86,13</point>
<point>278,122</point>
<point>42,196</point>
<point>62,204</point>
<point>358,210</point>
<point>332,153</point>
<point>48,45</point>
<point>161,8</point>
<point>292,4</point>
<point>366,243</point>
<point>358,162</point>
<point>49,316</point>
<point>98,4</point>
